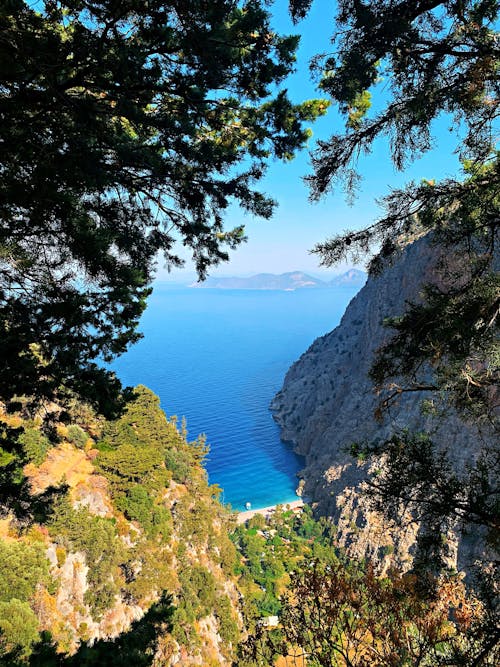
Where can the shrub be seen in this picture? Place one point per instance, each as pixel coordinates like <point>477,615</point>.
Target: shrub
<point>77,436</point>
<point>35,445</point>
<point>18,630</point>
<point>22,567</point>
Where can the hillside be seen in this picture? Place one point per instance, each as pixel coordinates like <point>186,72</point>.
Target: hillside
<point>351,278</point>
<point>131,542</point>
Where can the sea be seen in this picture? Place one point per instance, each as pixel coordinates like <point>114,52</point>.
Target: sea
<point>217,357</point>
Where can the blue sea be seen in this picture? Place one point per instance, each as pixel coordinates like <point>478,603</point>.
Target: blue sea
<point>217,357</point>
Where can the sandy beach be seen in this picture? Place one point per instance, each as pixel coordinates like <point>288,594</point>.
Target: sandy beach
<point>267,511</point>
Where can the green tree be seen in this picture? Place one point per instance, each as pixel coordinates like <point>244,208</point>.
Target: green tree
<point>18,631</point>
<point>97,538</point>
<point>34,445</point>
<point>431,57</point>
<point>22,567</point>
<point>125,128</point>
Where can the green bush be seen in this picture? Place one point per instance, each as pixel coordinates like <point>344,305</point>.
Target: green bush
<point>77,436</point>
<point>34,445</point>
<point>96,537</point>
<point>18,630</point>
<point>22,567</point>
<point>199,592</point>
<point>180,464</point>
<point>138,505</point>
<point>228,628</point>
<point>128,465</point>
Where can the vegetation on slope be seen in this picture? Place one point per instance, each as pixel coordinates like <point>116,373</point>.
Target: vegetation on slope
<point>335,612</point>
<point>133,520</point>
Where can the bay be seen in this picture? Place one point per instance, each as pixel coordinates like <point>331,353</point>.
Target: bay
<point>217,357</point>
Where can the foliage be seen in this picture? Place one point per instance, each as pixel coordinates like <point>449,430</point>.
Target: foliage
<point>454,328</point>
<point>18,631</point>
<point>97,538</point>
<point>174,531</point>
<point>343,615</point>
<point>198,593</point>
<point>419,475</point>
<point>77,436</point>
<point>228,627</point>
<point>34,445</point>
<point>22,567</point>
<point>22,441</point>
<point>429,57</point>
<point>142,423</point>
<point>128,465</point>
<point>270,550</point>
<point>419,60</point>
<point>141,452</point>
<point>125,128</point>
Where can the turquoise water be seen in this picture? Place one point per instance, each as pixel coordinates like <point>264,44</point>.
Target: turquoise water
<point>217,357</point>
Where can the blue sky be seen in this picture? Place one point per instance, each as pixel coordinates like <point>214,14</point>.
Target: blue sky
<point>283,243</point>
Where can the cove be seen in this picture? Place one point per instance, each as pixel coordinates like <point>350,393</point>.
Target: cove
<point>217,357</point>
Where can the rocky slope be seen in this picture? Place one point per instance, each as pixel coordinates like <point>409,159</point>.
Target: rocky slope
<point>327,402</point>
<point>134,521</point>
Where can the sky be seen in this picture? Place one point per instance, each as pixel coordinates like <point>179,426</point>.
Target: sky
<point>284,242</point>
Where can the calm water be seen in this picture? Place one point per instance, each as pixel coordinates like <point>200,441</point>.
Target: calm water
<point>217,357</point>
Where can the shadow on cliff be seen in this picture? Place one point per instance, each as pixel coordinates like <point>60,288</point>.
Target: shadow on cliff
<point>135,648</point>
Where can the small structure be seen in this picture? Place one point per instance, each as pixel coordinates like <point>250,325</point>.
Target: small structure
<point>269,621</point>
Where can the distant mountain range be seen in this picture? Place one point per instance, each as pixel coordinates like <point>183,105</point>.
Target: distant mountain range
<point>286,281</point>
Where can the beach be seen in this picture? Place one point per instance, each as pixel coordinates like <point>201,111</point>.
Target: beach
<point>242,517</point>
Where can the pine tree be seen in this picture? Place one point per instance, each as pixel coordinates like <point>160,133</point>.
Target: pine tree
<point>125,128</point>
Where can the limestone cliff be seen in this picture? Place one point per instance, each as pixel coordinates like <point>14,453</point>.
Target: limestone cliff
<point>327,402</point>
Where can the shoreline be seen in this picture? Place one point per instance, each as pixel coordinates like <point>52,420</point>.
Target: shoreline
<point>243,517</point>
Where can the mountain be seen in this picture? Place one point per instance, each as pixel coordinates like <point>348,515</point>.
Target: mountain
<point>286,281</point>
<point>351,278</point>
<point>327,402</point>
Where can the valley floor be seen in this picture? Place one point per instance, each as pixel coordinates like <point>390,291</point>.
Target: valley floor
<point>267,511</point>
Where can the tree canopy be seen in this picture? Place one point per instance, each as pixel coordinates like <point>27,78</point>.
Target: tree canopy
<point>126,128</point>
<point>417,61</point>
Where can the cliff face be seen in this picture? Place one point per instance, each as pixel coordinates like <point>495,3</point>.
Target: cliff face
<point>327,402</point>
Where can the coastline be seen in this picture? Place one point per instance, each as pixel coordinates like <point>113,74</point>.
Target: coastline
<point>242,517</point>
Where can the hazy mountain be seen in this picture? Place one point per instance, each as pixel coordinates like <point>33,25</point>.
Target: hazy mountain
<point>351,278</point>
<point>286,281</point>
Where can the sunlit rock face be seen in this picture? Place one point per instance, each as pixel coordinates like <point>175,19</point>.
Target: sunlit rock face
<point>328,402</point>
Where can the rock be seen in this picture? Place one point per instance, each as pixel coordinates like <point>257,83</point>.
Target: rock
<point>327,402</point>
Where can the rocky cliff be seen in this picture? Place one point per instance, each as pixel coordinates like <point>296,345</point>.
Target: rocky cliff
<point>327,402</point>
